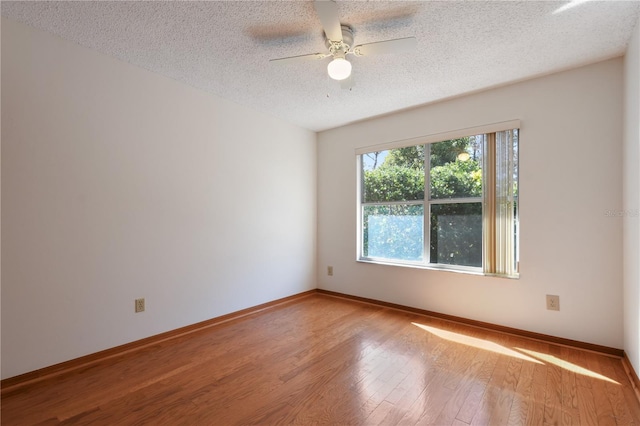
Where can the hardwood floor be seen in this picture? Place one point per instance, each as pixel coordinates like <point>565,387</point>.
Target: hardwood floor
<point>324,360</point>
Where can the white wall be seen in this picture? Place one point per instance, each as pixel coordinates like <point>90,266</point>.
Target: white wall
<point>118,183</point>
<point>631,194</point>
<point>571,157</point>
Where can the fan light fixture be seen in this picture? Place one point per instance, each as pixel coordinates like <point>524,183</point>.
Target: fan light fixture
<point>339,68</point>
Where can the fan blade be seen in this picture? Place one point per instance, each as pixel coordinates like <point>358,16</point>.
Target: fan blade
<point>398,45</point>
<point>299,58</point>
<point>327,11</point>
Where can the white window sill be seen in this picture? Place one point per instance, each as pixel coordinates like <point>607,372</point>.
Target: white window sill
<point>469,270</point>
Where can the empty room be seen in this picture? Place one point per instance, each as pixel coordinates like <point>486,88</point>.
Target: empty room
<point>320,212</point>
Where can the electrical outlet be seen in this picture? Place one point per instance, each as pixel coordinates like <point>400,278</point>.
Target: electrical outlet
<point>330,271</point>
<point>553,302</point>
<point>140,305</point>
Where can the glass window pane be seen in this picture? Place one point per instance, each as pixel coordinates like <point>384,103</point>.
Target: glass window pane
<point>456,168</point>
<point>456,234</point>
<point>393,175</point>
<point>393,232</point>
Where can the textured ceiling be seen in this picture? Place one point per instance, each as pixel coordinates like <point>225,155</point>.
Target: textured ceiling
<point>224,47</point>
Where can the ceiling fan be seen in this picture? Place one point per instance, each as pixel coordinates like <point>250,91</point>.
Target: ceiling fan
<point>339,41</point>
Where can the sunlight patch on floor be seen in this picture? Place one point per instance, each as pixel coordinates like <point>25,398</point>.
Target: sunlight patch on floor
<point>475,342</point>
<point>524,354</point>
<point>567,365</point>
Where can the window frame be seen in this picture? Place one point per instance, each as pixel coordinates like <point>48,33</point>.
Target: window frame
<point>427,202</point>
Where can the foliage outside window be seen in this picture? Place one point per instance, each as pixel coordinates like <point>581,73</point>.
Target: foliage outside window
<point>449,204</point>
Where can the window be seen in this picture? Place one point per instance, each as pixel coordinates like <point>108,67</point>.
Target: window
<point>449,204</point>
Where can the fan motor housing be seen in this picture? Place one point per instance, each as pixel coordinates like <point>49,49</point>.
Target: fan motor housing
<point>347,40</point>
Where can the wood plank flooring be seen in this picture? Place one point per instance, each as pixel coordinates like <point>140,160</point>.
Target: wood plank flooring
<point>324,360</point>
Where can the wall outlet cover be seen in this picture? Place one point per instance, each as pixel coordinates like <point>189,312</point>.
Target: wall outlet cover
<point>553,302</point>
<point>139,306</point>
